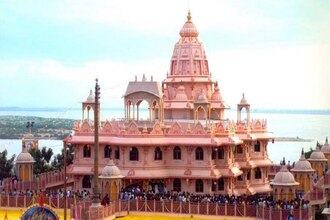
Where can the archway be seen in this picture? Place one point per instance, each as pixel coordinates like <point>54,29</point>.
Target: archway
<point>26,173</point>
<point>142,110</point>
<point>114,191</point>
<point>107,189</point>
<point>290,195</point>
<point>282,194</point>
<point>201,113</point>
<point>308,182</point>
<point>302,182</point>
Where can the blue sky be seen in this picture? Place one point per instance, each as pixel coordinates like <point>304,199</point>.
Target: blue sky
<point>276,52</point>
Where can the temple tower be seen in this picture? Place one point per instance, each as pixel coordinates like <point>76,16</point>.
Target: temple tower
<point>24,165</point>
<point>111,181</point>
<point>326,150</point>
<point>189,90</point>
<point>318,161</point>
<point>243,105</point>
<point>303,173</point>
<point>88,106</point>
<point>284,184</point>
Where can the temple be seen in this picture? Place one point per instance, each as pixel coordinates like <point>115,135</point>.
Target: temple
<point>185,144</point>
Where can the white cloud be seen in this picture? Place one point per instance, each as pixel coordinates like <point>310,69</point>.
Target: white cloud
<point>281,77</point>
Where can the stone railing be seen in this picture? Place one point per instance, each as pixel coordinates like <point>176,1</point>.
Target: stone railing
<point>41,181</point>
<point>80,208</point>
<point>122,208</point>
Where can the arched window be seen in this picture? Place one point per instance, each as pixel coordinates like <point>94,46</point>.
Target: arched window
<point>257,174</point>
<point>199,187</point>
<point>199,154</point>
<point>248,175</point>
<point>239,149</point>
<point>87,151</point>
<point>158,153</point>
<point>177,153</point>
<point>177,185</point>
<point>86,182</point>
<point>257,146</point>
<point>214,153</point>
<point>214,186</point>
<point>221,153</point>
<point>107,151</point>
<point>221,184</point>
<point>117,154</point>
<point>240,178</point>
<point>134,154</point>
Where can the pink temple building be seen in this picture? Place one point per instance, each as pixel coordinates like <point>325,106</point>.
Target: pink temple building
<point>186,143</point>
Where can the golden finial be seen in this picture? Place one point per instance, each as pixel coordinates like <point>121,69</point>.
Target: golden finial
<point>189,16</point>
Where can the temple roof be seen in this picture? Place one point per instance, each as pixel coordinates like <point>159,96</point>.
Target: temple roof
<point>25,157</point>
<point>151,87</point>
<point>302,165</point>
<point>284,178</point>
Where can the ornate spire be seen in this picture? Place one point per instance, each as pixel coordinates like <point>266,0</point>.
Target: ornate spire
<point>189,16</point>
<point>302,151</point>
<point>326,141</point>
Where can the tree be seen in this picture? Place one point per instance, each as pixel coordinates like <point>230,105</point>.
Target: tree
<point>6,166</point>
<point>42,158</point>
<point>57,162</point>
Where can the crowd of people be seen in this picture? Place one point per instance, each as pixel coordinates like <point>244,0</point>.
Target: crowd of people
<point>256,200</point>
<point>134,193</point>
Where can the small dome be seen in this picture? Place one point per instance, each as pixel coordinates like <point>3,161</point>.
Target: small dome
<point>202,96</point>
<point>189,29</point>
<point>326,146</point>
<point>216,94</point>
<point>302,165</point>
<point>91,97</point>
<point>110,171</point>
<point>284,178</point>
<point>243,100</point>
<point>25,157</point>
<point>181,94</point>
<point>317,155</point>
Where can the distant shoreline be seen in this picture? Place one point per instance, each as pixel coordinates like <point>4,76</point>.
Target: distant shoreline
<point>292,139</point>
<point>260,110</point>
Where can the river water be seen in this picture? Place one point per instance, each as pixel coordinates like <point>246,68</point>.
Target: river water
<point>304,124</point>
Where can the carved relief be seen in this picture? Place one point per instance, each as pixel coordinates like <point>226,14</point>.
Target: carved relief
<point>133,128</point>
<point>85,127</point>
<point>220,128</point>
<point>188,131</point>
<point>199,129</point>
<point>131,172</point>
<point>240,126</point>
<point>107,127</point>
<point>175,129</point>
<point>187,172</point>
<point>157,129</point>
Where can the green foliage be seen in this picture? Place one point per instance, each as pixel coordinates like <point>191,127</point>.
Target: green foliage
<point>308,153</point>
<point>14,127</point>
<point>6,165</point>
<point>57,162</point>
<point>42,158</point>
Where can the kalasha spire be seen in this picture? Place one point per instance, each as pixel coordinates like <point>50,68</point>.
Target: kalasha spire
<point>189,29</point>
<point>189,58</point>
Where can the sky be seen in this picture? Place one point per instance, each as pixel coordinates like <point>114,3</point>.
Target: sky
<point>276,52</point>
